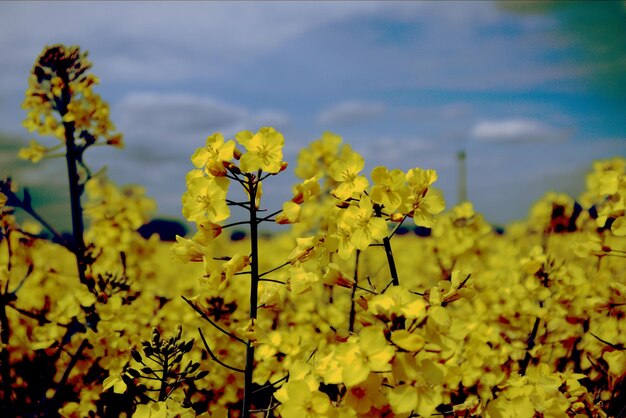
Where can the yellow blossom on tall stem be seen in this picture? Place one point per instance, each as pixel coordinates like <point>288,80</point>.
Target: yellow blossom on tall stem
<point>366,228</point>
<point>389,187</point>
<point>214,154</point>
<point>60,92</point>
<point>423,202</point>
<point>346,172</point>
<point>264,151</point>
<point>34,153</point>
<point>205,200</point>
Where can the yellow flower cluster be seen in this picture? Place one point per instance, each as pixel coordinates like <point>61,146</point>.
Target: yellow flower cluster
<point>60,96</point>
<point>340,321</point>
<point>484,323</point>
<point>453,337</point>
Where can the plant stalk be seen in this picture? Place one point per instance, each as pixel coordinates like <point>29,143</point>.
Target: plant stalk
<point>71,158</point>
<point>392,263</point>
<point>356,282</point>
<point>254,282</point>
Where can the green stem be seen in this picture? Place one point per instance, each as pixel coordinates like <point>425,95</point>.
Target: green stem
<point>163,389</point>
<point>214,357</point>
<point>356,282</point>
<point>6,407</point>
<point>529,346</point>
<point>5,333</point>
<point>71,158</point>
<point>387,244</point>
<point>391,262</point>
<point>254,289</point>
<point>57,401</point>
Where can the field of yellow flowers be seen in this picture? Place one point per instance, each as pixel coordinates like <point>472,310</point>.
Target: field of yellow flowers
<point>373,300</point>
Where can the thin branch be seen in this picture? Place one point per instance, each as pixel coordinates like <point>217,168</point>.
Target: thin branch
<point>365,290</point>
<point>270,384</point>
<point>398,226</point>
<point>274,269</point>
<point>214,357</point>
<point>268,217</point>
<point>205,316</point>
<point>26,207</point>
<point>389,285</point>
<point>241,204</point>
<point>615,346</point>
<point>41,319</point>
<point>235,224</point>
<point>66,374</point>
<point>272,280</point>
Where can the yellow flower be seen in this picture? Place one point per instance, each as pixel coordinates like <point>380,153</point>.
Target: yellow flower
<point>306,190</point>
<point>367,353</point>
<point>315,160</point>
<point>115,382</point>
<point>423,201</point>
<point>205,200</point>
<point>214,154</point>
<point>218,277</point>
<point>300,400</point>
<point>365,227</point>
<point>389,187</point>
<point>264,151</point>
<point>34,153</point>
<point>403,399</point>
<point>300,280</point>
<point>304,250</point>
<point>366,395</point>
<point>333,276</point>
<point>61,91</point>
<point>196,248</point>
<point>346,172</point>
<point>290,214</point>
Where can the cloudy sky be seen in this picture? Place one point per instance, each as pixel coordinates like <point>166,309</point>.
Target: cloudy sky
<point>533,92</point>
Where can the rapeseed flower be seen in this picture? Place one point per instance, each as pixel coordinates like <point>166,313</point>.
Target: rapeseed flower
<point>264,151</point>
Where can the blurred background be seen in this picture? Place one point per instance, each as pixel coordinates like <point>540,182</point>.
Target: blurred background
<point>530,92</point>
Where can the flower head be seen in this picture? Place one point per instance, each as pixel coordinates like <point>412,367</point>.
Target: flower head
<point>205,200</point>
<point>60,92</point>
<point>214,154</point>
<point>264,151</point>
<point>346,172</point>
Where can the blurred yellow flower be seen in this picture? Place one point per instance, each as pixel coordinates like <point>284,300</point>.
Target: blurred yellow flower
<point>34,153</point>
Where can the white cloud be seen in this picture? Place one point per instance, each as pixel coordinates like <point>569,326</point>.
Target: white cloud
<point>350,112</point>
<point>402,153</point>
<point>163,41</point>
<point>516,130</point>
<point>163,125</point>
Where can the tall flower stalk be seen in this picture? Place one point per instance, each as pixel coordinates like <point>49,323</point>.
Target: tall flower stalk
<point>60,102</point>
<point>206,202</point>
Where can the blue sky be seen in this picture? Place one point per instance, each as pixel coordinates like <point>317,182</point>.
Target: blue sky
<point>532,91</point>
